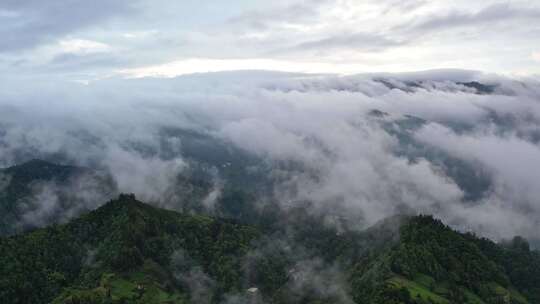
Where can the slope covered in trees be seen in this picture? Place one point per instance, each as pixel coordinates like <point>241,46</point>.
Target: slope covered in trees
<point>123,241</point>
<point>129,252</point>
<point>435,264</point>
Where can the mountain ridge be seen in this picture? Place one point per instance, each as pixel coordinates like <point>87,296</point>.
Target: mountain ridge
<point>106,255</point>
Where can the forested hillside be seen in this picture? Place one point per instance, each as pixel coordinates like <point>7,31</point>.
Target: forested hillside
<point>129,252</point>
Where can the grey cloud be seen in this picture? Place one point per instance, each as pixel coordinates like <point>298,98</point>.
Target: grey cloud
<point>509,159</point>
<point>54,202</point>
<point>188,273</point>
<point>495,13</point>
<point>151,178</point>
<point>4,181</point>
<point>78,62</point>
<point>37,22</point>
<point>310,277</point>
<point>367,42</point>
<point>403,6</point>
<point>299,12</point>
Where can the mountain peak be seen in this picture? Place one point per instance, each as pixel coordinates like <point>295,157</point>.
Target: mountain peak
<point>127,198</point>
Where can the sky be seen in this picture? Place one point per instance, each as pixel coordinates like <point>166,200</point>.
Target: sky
<point>88,40</point>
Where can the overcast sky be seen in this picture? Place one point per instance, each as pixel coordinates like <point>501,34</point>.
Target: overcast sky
<point>85,40</point>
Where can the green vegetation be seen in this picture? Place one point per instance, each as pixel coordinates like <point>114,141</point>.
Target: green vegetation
<point>129,252</point>
<point>435,264</point>
<point>122,238</point>
<point>417,290</point>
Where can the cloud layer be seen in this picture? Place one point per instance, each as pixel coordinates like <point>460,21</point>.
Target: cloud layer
<point>461,145</point>
<point>78,40</point>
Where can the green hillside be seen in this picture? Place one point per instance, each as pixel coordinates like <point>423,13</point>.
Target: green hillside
<point>123,244</point>
<point>435,264</point>
<point>130,252</point>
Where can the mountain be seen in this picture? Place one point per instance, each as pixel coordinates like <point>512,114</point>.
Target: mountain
<point>102,254</point>
<point>434,264</point>
<point>130,252</point>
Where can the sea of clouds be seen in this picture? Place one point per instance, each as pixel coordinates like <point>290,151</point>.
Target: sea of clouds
<point>461,145</point>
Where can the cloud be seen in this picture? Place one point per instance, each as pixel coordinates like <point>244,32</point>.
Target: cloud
<point>314,278</point>
<point>315,136</point>
<point>508,158</point>
<point>4,181</point>
<point>150,178</point>
<point>82,46</point>
<point>494,13</point>
<point>403,7</point>
<point>536,56</point>
<point>366,42</point>
<point>206,65</point>
<point>295,13</point>
<point>317,36</point>
<point>192,276</point>
<point>58,202</point>
<point>34,22</point>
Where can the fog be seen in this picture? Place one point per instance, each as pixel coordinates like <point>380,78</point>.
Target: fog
<point>461,145</point>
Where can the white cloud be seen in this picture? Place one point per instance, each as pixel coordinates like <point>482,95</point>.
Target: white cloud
<point>204,65</point>
<point>344,162</point>
<point>82,46</point>
<point>302,36</point>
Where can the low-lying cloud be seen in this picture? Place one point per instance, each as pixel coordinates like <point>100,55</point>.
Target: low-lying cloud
<point>431,133</point>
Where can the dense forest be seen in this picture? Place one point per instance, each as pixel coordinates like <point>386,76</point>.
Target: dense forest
<point>130,252</point>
